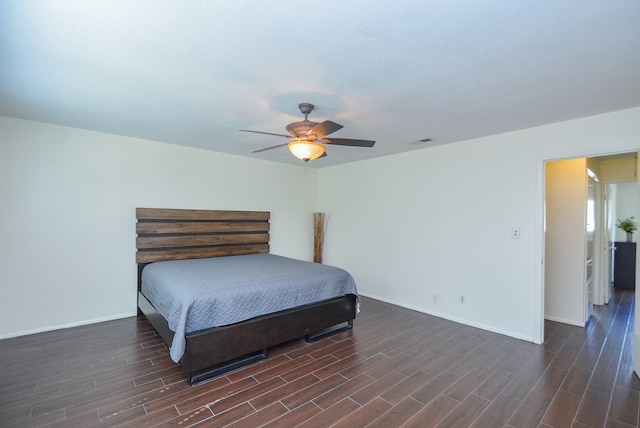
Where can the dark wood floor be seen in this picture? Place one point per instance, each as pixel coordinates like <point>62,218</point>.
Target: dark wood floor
<point>396,368</point>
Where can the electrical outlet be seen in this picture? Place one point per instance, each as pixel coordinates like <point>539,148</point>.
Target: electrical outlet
<point>515,233</point>
<point>435,298</point>
<point>462,299</point>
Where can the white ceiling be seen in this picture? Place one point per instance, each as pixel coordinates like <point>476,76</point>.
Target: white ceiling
<point>195,72</point>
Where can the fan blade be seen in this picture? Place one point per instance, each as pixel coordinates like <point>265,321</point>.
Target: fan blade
<point>266,133</point>
<point>325,128</point>
<point>269,148</point>
<point>348,142</point>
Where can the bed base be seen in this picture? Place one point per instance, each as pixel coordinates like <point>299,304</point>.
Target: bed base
<point>215,351</point>
<point>310,338</point>
<point>195,378</point>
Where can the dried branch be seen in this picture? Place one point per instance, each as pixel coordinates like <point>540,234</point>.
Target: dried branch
<point>319,225</point>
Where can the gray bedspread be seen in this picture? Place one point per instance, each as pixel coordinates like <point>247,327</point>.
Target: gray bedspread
<point>201,293</point>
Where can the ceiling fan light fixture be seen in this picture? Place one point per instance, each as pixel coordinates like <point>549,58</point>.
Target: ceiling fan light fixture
<point>306,150</point>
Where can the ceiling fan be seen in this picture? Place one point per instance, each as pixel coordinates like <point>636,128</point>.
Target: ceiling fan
<point>308,138</point>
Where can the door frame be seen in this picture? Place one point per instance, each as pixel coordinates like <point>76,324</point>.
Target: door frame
<point>539,244</point>
<point>606,275</point>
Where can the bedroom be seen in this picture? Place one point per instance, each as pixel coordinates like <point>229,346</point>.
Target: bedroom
<point>69,197</point>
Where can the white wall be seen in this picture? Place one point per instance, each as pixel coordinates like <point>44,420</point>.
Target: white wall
<point>438,220</point>
<point>432,221</point>
<point>67,217</point>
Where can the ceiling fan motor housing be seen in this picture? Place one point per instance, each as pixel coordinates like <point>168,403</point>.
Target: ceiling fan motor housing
<point>300,129</point>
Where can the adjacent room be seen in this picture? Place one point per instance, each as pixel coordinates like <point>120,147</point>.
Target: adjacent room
<point>434,138</point>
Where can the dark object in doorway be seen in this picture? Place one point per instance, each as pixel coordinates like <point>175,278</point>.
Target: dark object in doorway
<point>624,265</point>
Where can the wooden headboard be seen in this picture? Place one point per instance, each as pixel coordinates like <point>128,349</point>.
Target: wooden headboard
<point>176,234</point>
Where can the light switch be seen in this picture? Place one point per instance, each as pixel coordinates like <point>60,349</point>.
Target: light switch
<point>515,232</point>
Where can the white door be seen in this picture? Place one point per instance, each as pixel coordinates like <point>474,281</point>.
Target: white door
<point>566,294</point>
<point>590,258</point>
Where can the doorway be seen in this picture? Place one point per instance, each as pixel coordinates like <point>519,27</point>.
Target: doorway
<point>579,230</point>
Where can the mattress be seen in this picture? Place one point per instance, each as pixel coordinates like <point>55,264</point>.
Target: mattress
<point>197,294</point>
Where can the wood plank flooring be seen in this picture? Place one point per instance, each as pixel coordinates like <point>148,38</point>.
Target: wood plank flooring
<point>396,368</point>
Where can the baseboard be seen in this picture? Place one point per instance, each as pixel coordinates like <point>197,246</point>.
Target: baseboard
<point>454,319</point>
<point>69,325</point>
<point>563,321</point>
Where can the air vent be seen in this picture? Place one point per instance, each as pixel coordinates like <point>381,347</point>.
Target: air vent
<point>424,140</point>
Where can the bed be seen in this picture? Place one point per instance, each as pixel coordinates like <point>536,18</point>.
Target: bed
<point>174,241</point>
